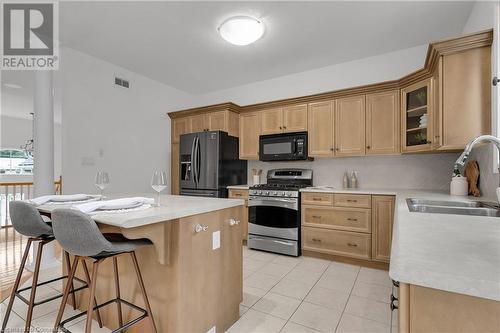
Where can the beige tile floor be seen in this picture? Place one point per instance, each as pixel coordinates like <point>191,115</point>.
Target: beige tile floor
<point>294,295</point>
<point>280,294</point>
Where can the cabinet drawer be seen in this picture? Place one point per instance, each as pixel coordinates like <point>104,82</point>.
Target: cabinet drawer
<point>238,194</point>
<point>344,243</point>
<point>323,199</point>
<point>353,200</point>
<point>350,219</point>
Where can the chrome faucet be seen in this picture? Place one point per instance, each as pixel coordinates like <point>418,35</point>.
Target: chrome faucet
<point>468,148</point>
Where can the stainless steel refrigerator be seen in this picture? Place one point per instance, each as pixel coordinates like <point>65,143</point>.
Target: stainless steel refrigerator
<point>209,162</point>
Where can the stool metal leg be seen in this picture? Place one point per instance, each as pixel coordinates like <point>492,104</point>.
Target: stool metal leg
<point>68,268</point>
<point>34,285</point>
<point>143,291</point>
<point>87,277</point>
<point>117,288</point>
<point>16,284</point>
<point>93,283</point>
<point>71,275</point>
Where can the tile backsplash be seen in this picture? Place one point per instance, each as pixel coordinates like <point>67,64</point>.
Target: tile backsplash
<point>416,171</point>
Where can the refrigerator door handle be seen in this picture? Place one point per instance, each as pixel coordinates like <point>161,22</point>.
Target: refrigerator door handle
<point>192,159</point>
<point>198,161</point>
<point>195,165</point>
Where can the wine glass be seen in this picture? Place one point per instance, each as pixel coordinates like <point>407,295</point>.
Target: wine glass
<point>101,181</point>
<point>159,183</point>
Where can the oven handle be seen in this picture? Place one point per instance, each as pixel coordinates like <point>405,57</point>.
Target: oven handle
<point>282,203</point>
<point>272,240</point>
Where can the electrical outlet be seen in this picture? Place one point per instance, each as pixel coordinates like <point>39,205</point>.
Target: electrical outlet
<point>215,240</point>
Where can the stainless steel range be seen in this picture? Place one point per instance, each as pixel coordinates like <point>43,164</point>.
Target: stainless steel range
<point>274,211</point>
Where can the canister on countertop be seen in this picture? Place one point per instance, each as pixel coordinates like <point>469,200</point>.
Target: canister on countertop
<point>459,186</point>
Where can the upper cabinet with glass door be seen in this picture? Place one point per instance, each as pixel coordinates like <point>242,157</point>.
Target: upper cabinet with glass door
<point>416,125</point>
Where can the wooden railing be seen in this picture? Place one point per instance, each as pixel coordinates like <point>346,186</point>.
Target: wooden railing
<point>18,191</point>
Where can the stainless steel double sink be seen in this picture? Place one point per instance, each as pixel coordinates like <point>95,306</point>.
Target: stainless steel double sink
<point>460,207</point>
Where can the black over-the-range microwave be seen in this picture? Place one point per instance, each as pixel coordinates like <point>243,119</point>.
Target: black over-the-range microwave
<point>283,147</point>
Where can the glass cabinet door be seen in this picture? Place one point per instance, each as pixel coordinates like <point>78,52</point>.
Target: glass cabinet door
<point>417,116</point>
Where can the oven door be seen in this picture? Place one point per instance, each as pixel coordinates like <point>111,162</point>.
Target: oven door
<point>274,217</point>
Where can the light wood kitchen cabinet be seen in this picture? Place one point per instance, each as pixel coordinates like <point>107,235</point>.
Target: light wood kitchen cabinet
<point>320,126</point>
<point>241,194</point>
<point>272,121</point>
<point>382,123</point>
<point>197,123</point>
<point>417,105</point>
<point>345,225</point>
<point>179,126</point>
<point>465,81</point>
<point>336,242</point>
<point>175,168</point>
<point>382,223</point>
<point>291,118</point>
<point>350,126</point>
<point>215,121</point>
<point>423,310</point>
<point>249,135</point>
<point>295,118</point>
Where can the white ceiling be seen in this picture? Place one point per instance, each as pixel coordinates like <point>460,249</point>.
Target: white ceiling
<point>177,43</point>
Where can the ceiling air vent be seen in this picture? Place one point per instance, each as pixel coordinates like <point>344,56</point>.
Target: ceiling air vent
<point>121,82</point>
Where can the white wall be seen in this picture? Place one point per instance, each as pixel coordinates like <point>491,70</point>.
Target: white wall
<point>482,17</point>
<point>385,67</point>
<point>105,127</point>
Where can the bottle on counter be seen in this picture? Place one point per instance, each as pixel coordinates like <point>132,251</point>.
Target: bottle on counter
<point>354,180</point>
<point>345,180</point>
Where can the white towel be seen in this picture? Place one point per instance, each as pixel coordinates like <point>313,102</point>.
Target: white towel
<point>121,203</point>
<point>59,198</point>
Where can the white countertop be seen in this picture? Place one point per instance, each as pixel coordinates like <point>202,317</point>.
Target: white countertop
<point>172,207</point>
<point>455,253</point>
<point>239,187</point>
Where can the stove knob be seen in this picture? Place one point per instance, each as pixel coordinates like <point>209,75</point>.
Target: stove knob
<point>275,193</point>
<point>267,193</point>
<point>289,194</point>
<point>283,194</point>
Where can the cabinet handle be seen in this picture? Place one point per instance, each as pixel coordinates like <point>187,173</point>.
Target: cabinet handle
<point>429,141</point>
<point>316,216</point>
<point>237,194</point>
<point>316,240</point>
<point>284,127</point>
<point>368,147</point>
<point>316,199</point>
<point>351,219</point>
<point>352,200</point>
<point>331,149</point>
<point>200,227</point>
<point>233,222</point>
<point>352,245</point>
<point>281,127</point>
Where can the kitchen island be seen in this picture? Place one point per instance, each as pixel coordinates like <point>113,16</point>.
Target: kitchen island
<point>192,272</point>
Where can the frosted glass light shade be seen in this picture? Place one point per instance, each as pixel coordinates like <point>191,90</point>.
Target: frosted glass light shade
<point>241,30</point>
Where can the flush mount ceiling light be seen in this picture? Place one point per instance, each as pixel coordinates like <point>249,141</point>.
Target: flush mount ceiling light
<point>241,30</point>
<point>12,85</point>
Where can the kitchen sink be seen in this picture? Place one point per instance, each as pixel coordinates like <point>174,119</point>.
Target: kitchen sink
<point>462,207</point>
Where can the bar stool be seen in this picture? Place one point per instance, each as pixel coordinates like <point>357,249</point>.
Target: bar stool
<point>27,221</point>
<point>79,235</point>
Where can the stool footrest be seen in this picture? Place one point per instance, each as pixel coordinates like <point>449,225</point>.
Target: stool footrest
<point>22,298</point>
<point>114,300</point>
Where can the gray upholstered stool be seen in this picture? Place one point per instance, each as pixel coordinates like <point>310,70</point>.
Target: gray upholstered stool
<point>79,235</point>
<point>27,221</point>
